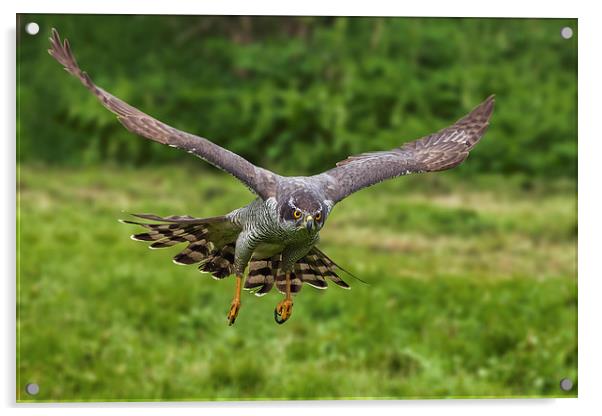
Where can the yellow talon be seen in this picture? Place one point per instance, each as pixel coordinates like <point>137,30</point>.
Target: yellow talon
<point>233,313</point>
<point>283,311</point>
<point>235,306</point>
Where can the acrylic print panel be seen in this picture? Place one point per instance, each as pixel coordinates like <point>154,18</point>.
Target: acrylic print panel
<point>465,275</point>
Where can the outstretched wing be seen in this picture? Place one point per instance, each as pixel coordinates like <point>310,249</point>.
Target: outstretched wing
<point>439,151</point>
<point>260,181</point>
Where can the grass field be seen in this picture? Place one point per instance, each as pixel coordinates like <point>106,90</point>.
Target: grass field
<point>472,292</point>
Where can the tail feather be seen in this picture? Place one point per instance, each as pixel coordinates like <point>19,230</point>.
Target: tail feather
<point>309,272</point>
<point>332,265</point>
<point>259,273</point>
<point>312,269</point>
<point>262,274</point>
<point>296,283</point>
<point>327,269</point>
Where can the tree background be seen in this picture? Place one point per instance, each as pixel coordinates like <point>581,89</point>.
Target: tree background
<point>298,94</point>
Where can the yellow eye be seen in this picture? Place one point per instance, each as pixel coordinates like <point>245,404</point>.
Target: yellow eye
<point>297,214</point>
<point>318,216</point>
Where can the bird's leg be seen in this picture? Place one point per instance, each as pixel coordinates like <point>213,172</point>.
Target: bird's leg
<point>284,309</point>
<point>235,306</point>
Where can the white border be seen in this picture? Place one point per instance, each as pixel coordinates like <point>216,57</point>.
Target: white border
<point>507,8</point>
<point>590,276</point>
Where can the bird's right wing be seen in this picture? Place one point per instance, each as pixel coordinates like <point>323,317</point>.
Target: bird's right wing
<point>259,180</point>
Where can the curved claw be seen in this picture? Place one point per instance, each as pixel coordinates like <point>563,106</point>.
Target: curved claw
<point>278,317</point>
<point>283,311</point>
<point>233,313</point>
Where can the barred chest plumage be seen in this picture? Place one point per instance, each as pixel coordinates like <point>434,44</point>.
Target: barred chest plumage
<point>280,251</point>
<point>267,234</point>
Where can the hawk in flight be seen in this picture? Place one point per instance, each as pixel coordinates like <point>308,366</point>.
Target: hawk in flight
<point>276,234</point>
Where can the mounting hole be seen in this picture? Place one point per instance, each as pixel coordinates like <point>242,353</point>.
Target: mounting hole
<point>566,32</point>
<point>32,28</point>
<point>566,384</point>
<point>32,389</point>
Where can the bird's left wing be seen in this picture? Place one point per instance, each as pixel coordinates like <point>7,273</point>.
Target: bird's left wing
<point>439,151</point>
<point>260,181</point>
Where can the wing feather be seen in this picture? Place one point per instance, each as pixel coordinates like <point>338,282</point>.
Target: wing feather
<point>260,181</point>
<point>439,151</point>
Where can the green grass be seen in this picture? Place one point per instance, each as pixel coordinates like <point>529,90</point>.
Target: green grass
<point>473,292</point>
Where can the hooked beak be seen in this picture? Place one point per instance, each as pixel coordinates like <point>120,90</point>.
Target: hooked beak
<point>309,223</point>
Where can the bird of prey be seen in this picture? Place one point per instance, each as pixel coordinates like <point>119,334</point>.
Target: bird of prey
<point>275,235</point>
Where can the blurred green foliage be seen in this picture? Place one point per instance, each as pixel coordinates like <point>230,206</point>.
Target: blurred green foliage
<point>472,293</point>
<point>297,94</point>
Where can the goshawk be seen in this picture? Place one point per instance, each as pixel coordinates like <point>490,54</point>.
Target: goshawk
<point>276,234</point>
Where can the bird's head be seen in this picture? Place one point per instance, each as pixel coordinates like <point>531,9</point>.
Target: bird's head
<point>304,210</point>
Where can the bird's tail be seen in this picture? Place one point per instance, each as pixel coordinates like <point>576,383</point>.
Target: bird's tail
<point>313,269</point>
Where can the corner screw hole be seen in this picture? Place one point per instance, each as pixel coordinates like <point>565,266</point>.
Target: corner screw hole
<point>32,389</point>
<point>566,32</point>
<point>566,384</point>
<point>32,28</point>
